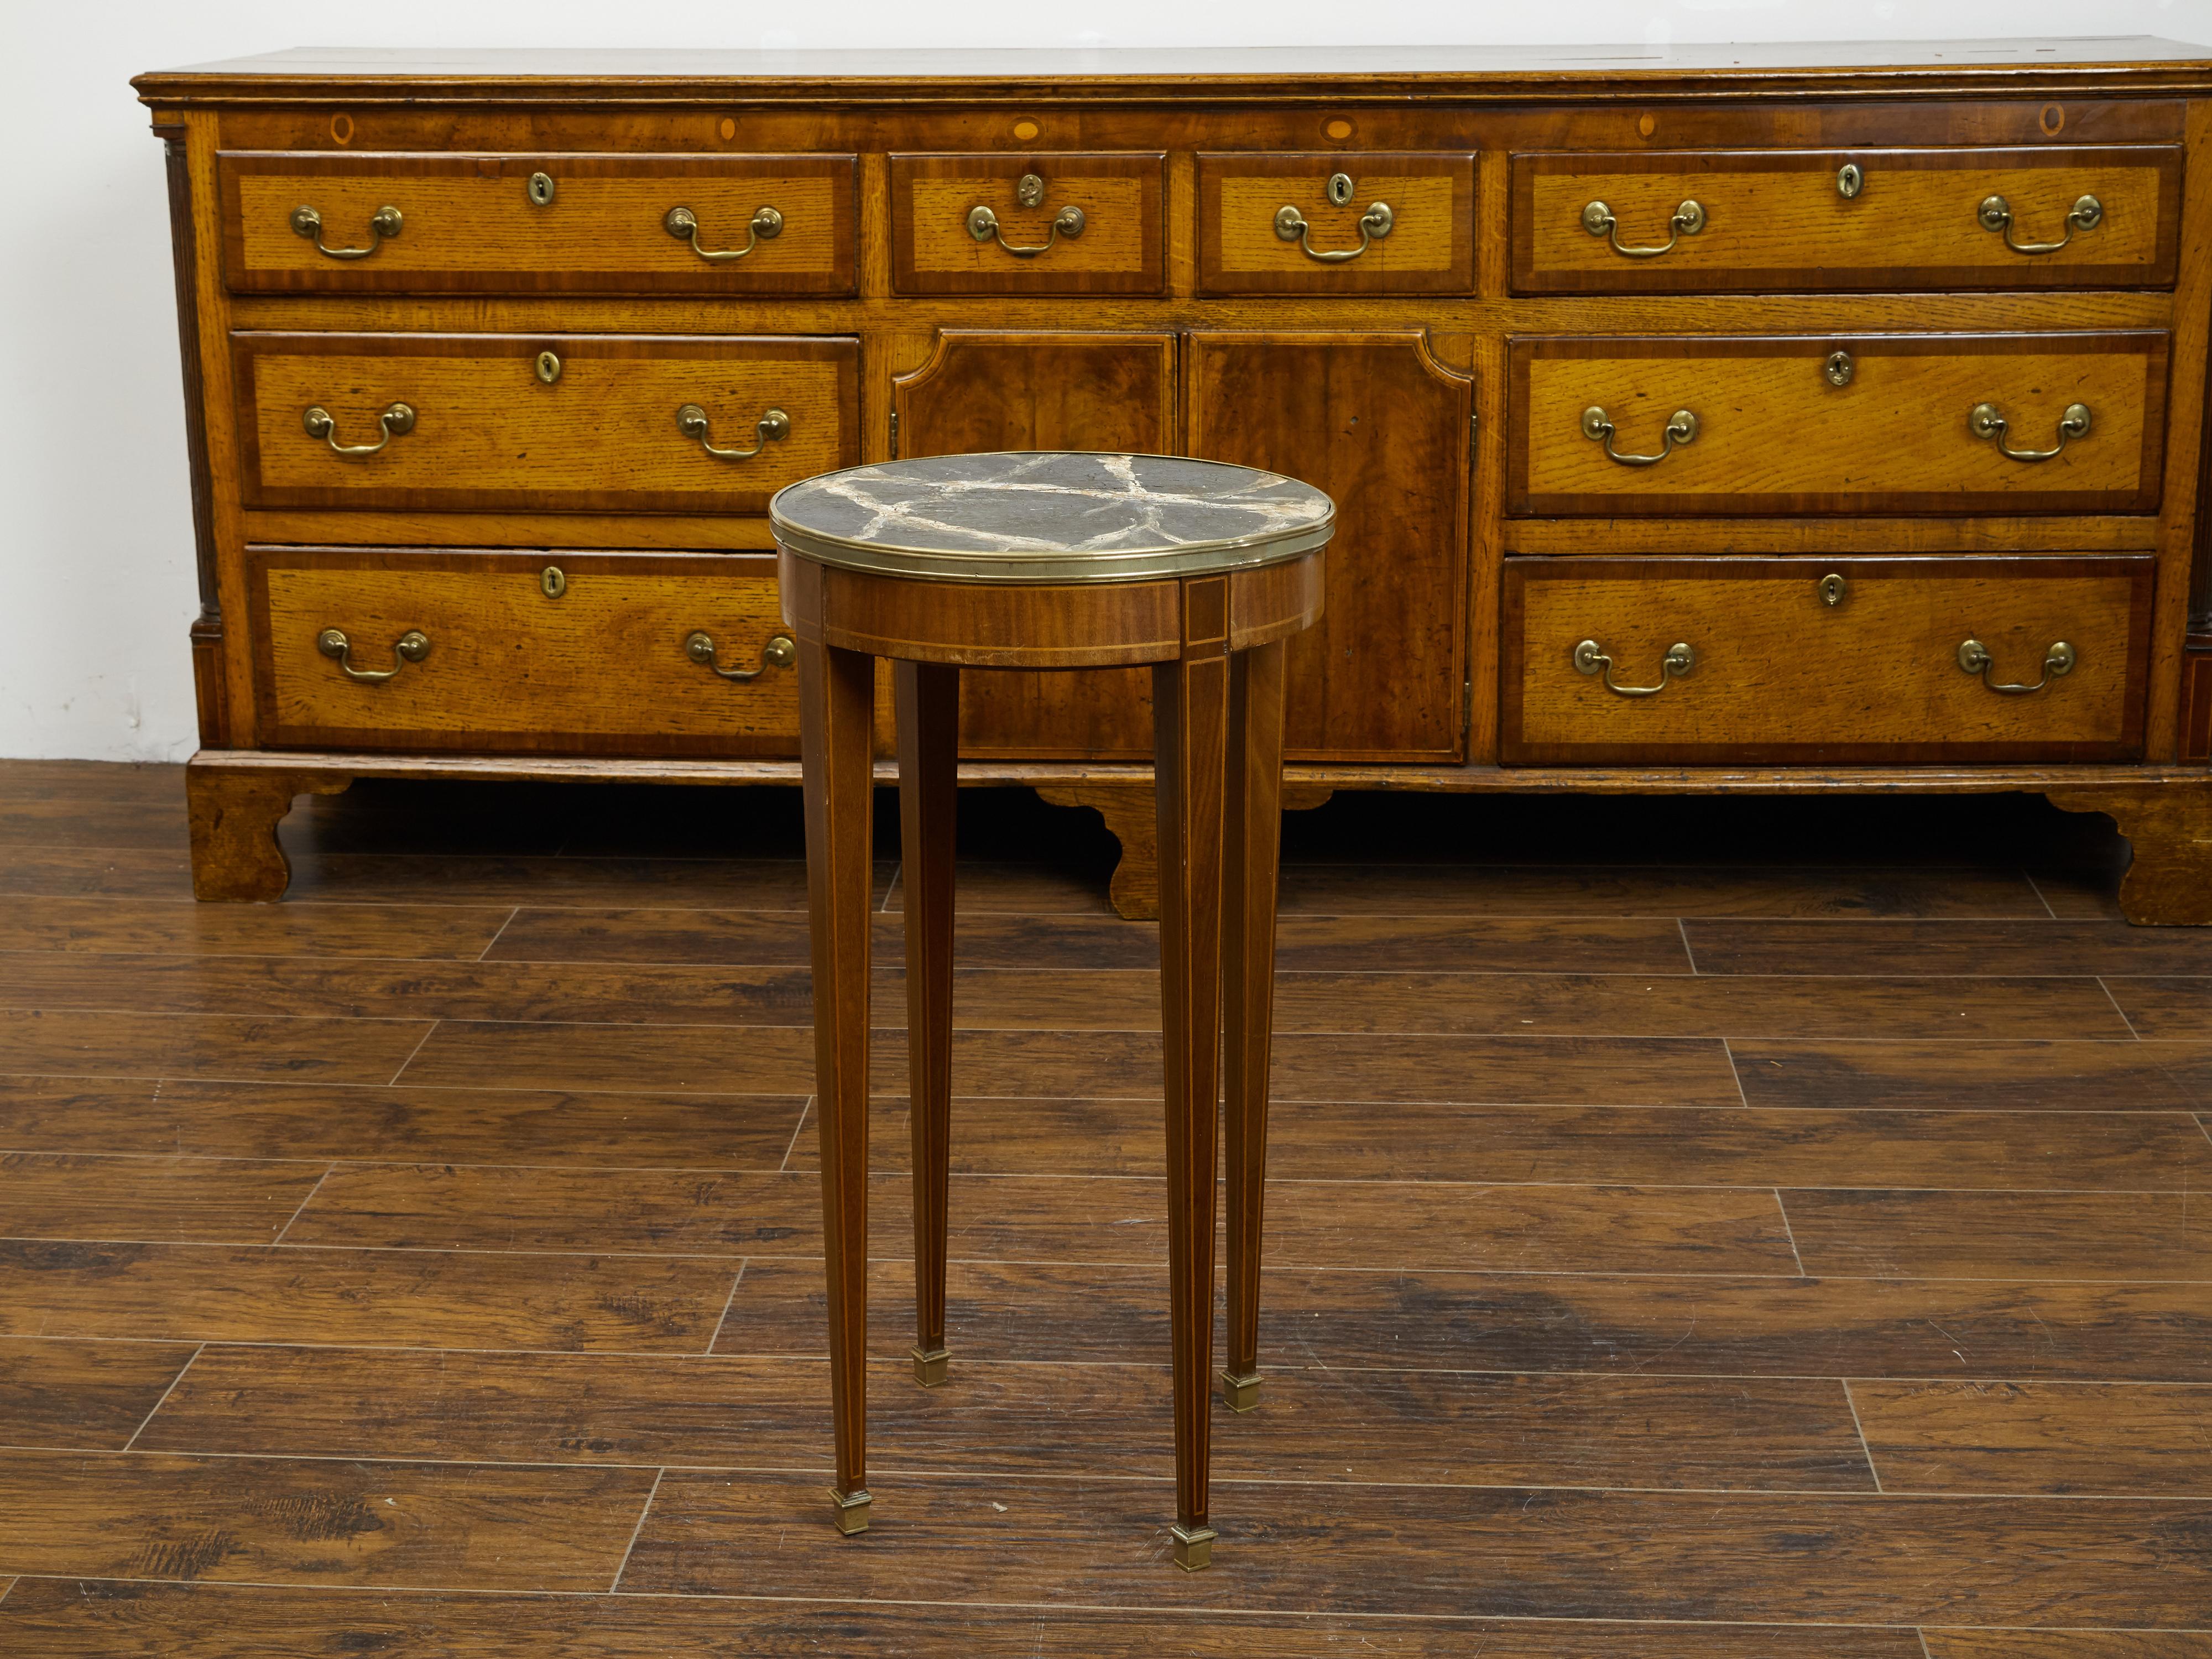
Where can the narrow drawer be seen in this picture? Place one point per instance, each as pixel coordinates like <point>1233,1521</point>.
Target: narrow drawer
<point>1796,661</point>
<point>1026,222</point>
<point>588,423</point>
<point>537,224</point>
<point>1950,424</point>
<point>2080,217</point>
<point>573,652</point>
<point>1327,223</point>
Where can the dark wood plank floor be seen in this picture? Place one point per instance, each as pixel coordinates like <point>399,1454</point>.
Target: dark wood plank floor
<point>1792,1240</point>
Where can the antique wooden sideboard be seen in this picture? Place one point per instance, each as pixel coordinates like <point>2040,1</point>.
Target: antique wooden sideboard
<point>1772,420</point>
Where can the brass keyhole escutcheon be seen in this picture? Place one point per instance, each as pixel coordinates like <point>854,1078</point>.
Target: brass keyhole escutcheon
<point>541,189</point>
<point>552,581</point>
<point>1839,368</point>
<point>1850,181</point>
<point>1030,192</point>
<point>1339,189</point>
<point>1833,590</point>
<point>549,368</point>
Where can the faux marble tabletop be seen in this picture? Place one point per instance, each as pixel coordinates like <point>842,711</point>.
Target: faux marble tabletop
<point>1053,516</point>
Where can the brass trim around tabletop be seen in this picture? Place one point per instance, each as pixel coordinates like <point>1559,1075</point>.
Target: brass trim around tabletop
<point>765,225</point>
<point>1689,219</point>
<point>2058,662</point>
<point>1591,659</point>
<point>1375,224</point>
<point>774,427</point>
<point>983,224</point>
<point>383,224</point>
<point>1681,428</point>
<point>1984,421</point>
<point>778,652</point>
<point>395,422</point>
<point>411,646</point>
<point>1996,214</point>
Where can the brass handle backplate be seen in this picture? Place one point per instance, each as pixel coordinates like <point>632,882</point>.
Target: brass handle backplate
<point>1591,659</point>
<point>396,421</point>
<point>772,427</point>
<point>1995,214</point>
<point>411,646</point>
<point>1984,421</point>
<point>1375,224</point>
<point>1689,219</point>
<point>383,223</point>
<point>2058,662</point>
<point>766,225</point>
<point>983,224</point>
<point>1681,428</point>
<point>778,652</point>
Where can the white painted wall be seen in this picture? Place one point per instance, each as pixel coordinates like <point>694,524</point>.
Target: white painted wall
<point>96,580</point>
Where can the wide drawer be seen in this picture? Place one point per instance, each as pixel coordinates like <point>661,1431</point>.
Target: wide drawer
<point>534,224</point>
<point>1837,424</point>
<point>609,423</point>
<point>1028,223</point>
<point>1823,661</point>
<point>521,651</point>
<point>2080,217</point>
<point>1326,223</point>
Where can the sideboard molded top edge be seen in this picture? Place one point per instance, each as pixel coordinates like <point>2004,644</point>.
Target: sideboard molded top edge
<point>1442,70</point>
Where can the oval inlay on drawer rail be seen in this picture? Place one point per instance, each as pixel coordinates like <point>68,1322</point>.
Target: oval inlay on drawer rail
<point>630,423</point>
<point>377,648</point>
<point>1949,423</point>
<point>1739,660</point>
<point>2076,217</point>
<point>536,224</point>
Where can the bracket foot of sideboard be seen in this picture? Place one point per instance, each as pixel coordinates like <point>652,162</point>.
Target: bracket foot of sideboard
<point>2169,824</point>
<point>1131,818</point>
<point>234,811</point>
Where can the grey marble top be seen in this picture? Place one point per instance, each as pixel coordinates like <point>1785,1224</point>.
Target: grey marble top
<point>1050,516</point>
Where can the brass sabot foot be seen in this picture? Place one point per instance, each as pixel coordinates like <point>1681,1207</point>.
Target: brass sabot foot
<point>1242,1392</point>
<point>1193,1550</point>
<point>930,1365</point>
<point>851,1507</point>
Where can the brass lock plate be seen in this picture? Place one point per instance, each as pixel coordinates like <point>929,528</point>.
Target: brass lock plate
<point>552,581</point>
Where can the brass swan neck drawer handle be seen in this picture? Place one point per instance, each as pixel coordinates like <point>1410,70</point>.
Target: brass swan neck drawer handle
<point>1985,421</point>
<point>772,427</point>
<point>383,224</point>
<point>778,652</point>
<point>1995,214</point>
<point>411,646</point>
<point>1689,219</point>
<point>1375,224</point>
<point>2058,662</point>
<point>395,422</point>
<point>766,225</point>
<point>1681,428</point>
<point>983,224</point>
<point>1591,659</point>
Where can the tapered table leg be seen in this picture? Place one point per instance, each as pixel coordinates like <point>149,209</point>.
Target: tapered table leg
<point>1253,840</point>
<point>1190,713</point>
<point>836,708</point>
<point>928,699</point>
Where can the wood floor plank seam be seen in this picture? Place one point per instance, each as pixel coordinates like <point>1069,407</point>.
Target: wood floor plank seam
<point>164,1400</point>
<point>796,1129</point>
<point>393,1079</point>
<point>2044,899</point>
<point>511,914</point>
<point>644,1510</point>
<point>737,1278</point>
<point>305,1201</point>
<point>1788,1232</point>
<point>2118,1009</point>
<point>1859,1427</point>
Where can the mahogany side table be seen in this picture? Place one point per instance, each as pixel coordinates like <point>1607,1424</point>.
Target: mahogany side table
<point>1050,561</point>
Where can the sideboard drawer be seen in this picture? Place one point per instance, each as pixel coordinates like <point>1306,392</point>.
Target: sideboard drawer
<point>1029,223</point>
<point>581,423</point>
<point>1823,661</point>
<point>2079,216</point>
<point>536,224</point>
<point>514,651</point>
<point>1329,223</point>
<point>1952,424</point>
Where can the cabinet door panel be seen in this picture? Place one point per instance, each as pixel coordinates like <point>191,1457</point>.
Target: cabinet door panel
<point>983,391</point>
<point>1374,419</point>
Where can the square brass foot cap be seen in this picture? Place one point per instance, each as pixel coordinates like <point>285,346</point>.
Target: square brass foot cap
<point>1193,1550</point>
<point>1242,1392</point>
<point>852,1510</point>
<point>929,1365</point>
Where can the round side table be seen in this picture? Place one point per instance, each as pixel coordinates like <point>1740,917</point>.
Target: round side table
<point>1059,561</point>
